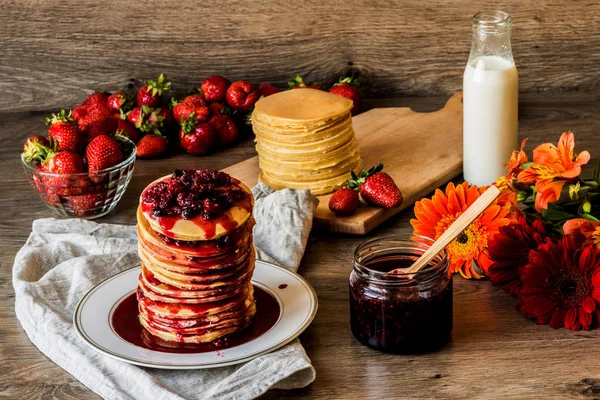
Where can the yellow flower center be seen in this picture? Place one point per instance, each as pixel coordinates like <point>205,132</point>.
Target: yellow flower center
<point>468,245</point>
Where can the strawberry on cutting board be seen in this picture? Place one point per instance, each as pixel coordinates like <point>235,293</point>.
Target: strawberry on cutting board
<point>376,188</point>
<point>344,202</point>
<point>348,88</point>
<point>64,132</point>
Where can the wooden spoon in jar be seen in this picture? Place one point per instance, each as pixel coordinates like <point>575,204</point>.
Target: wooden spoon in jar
<point>457,227</point>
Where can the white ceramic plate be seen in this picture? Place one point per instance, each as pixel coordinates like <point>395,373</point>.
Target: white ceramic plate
<point>93,316</point>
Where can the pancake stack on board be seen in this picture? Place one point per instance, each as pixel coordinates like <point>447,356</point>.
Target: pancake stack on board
<point>195,243</point>
<point>305,140</point>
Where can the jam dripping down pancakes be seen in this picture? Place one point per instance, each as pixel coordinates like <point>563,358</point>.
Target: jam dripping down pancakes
<point>195,243</point>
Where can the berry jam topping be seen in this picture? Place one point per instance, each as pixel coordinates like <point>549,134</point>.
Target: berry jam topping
<point>399,319</point>
<point>220,242</point>
<point>189,193</point>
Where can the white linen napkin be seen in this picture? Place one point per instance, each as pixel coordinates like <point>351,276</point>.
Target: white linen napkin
<point>63,259</point>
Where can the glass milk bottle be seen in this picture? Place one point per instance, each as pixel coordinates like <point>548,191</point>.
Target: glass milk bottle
<point>490,100</point>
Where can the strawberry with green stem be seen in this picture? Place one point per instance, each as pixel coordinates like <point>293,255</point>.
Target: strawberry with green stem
<point>376,188</point>
<point>146,119</point>
<point>151,93</point>
<point>348,88</point>
<point>191,105</point>
<point>64,132</point>
<point>119,102</point>
<point>197,138</point>
<point>298,83</point>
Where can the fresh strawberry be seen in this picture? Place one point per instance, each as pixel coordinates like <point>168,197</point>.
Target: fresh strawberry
<point>64,132</point>
<point>102,152</point>
<point>97,99</point>
<point>146,119</point>
<point>191,105</point>
<point>136,116</point>
<point>344,202</point>
<point>348,88</point>
<point>87,204</point>
<point>151,146</point>
<point>225,127</point>
<point>93,113</point>
<point>119,101</point>
<point>64,162</point>
<point>298,83</point>
<point>151,93</point>
<point>197,138</point>
<point>267,89</point>
<point>219,108</point>
<point>214,88</point>
<point>78,112</point>
<point>376,188</point>
<point>242,95</point>
<point>167,117</point>
<point>104,126</point>
<point>125,128</point>
<point>72,180</point>
<point>33,146</point>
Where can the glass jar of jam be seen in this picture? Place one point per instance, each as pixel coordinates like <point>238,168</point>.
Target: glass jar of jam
<point>400,313</point>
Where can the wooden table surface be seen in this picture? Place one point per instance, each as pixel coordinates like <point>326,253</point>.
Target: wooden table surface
<point>495,351</point>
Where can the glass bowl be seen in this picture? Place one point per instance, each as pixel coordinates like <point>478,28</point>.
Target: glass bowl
<point>85,195</point>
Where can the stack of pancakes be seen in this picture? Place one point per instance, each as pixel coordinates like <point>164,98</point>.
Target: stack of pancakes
<point>305,140</point>
<point>195,285</point>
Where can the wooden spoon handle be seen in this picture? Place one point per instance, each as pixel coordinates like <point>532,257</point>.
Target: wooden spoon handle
<point>459,225</point>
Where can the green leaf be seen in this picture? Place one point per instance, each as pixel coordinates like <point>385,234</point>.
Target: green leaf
<point>590,217</point>
<point>556,213</point>
<point>526,165</point>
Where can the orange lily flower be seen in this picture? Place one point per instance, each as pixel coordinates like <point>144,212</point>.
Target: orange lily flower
<point>517,159</point>
<point>583,231</point>
<point>552,162</point>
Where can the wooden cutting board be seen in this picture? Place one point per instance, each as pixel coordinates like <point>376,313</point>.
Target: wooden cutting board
<point>420,151</point>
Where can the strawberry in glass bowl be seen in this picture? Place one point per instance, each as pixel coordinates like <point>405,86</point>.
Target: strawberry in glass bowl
<point>82,181</point>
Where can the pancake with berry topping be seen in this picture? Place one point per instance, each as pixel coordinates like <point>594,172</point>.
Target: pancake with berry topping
<point>196,247</point>
<point>186,251</point>
<point>195,205</point>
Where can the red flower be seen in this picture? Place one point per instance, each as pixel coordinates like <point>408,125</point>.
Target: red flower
<point>561,284</point>
<point>509,251</point>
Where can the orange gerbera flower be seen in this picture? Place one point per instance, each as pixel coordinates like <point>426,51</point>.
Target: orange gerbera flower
<point>583,231</point>
<point>553,162</point>
<point>469,249</point>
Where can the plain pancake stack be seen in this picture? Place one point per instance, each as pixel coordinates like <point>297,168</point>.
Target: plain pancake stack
<point>305,140</point>
<point>195,243</point>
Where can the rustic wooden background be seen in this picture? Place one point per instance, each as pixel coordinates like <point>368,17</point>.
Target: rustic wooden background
<point>54,52</point>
